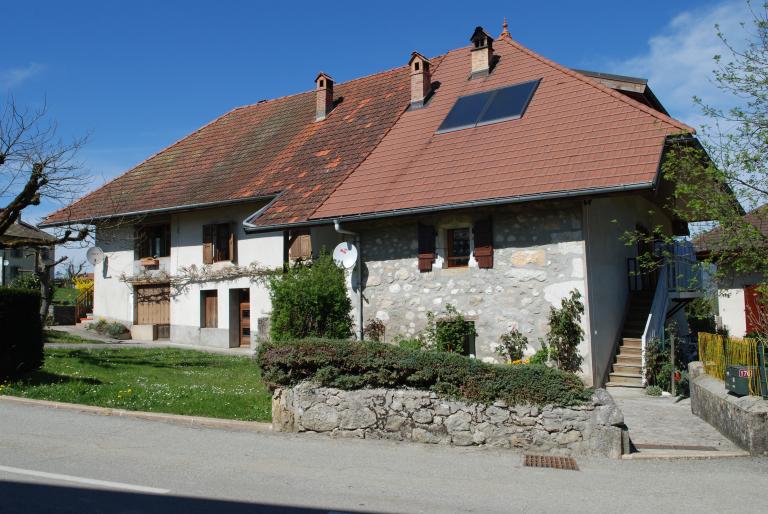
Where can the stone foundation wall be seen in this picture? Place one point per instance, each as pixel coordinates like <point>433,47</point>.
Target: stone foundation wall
<point>421,416</point>
<point>742,420</point>
<point>539,257</point>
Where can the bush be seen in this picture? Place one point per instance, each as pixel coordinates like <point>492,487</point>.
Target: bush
<point>409,343</point>
<point>449,332</point>
<point>374,330</point>
<point>541,356</point>
<point>310,300</point>
<point>21,341</point>
<point>353,365</point>
<point>565,332</point>
<point>26,281</point>
<point>110,328</point>
<point>512,345</point>
<point>653,391</point>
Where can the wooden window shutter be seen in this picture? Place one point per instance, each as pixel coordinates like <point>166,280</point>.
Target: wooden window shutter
<point>483,233</point>
<point>233,242</point>
<point>426,247</point>
<point>208,234</point>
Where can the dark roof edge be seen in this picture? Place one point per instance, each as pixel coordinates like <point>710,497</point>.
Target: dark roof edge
<point>611,76</point>
<point>554,195</point>
<point>178,208</point>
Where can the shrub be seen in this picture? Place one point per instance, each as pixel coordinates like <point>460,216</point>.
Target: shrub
<point>353,365</point>
<point>409,343</point>
<point>310,300</point>
<point>110,328</point>
<point>565,332</point>
<point>26,281</point>
<point>449,332</point>
<point>653,391</point>
<point>512,345</point>
<point>21,341</point>
<point>374,330</point>
<point>541,356</point>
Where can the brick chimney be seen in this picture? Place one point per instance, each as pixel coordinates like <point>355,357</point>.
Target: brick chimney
<point>324,92</point>
<point>481,53</point>
<point>421,79</point>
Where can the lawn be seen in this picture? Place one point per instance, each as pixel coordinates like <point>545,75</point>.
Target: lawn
<point>157,380</point>
<point>59,336</point>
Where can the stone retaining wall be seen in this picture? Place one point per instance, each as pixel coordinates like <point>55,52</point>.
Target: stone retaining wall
<point>742,420</point>
<point>421,416</point>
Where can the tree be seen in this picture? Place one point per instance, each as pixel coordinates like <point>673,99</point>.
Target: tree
<point>714,178</point>
<point>565,333</point>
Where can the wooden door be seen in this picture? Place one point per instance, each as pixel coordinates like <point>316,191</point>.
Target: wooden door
<point>245,323</point>
<point>153,307</point>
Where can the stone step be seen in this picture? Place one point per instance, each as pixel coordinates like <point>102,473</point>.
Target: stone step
<point>626,379</point>
<point>631,342</point>
<point>629,360</point>
<point>629,369</point>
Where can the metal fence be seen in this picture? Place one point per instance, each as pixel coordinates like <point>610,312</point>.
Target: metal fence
<point>718,352</point>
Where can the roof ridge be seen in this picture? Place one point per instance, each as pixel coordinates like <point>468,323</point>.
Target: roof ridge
<point>436,64</point>
<point>605,89</point>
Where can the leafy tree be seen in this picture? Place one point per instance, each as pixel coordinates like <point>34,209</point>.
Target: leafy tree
<point>310,300</point>
<point>711,181</point>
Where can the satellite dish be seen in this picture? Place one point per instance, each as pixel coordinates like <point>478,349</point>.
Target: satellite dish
<point>94,255</point>
<point>345,255</point>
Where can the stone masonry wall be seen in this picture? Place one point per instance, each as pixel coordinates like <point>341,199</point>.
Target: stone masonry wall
<point>538,259</point>
<point>422,416</point>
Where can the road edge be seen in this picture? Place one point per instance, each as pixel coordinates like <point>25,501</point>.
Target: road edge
<point>177,419</point>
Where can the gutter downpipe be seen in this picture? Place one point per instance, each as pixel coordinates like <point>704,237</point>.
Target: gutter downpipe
<point>359,276</point>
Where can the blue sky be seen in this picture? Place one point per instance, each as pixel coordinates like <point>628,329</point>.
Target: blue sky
<point>139,75</point>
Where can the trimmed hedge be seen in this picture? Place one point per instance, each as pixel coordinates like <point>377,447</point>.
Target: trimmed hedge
<point>354,365</point>
<point>21,336</point>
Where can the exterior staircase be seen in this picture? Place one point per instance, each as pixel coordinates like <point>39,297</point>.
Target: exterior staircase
<point>628,368</point>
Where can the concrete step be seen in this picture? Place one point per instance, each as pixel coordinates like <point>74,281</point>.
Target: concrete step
<point>629,369</point>
<point>629,360</point>
<point>625,379</point>
<point>630,351</point>
<point>615,384</point>
<point>631,342</point>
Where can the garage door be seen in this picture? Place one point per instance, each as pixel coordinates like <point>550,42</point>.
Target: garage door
<point>153,307</point>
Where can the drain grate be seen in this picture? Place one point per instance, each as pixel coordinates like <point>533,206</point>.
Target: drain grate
<point>546,461</point>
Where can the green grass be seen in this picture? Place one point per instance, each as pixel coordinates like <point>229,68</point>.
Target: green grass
<point>156,380</point>
<point>59,336</point>
<point>65,295</point>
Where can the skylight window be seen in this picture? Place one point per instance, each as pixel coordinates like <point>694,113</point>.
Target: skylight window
<point>507,103</point>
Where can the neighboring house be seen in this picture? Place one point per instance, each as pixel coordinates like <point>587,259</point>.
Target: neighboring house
<point>489,178</point>
<point>739,303</point>
<point>21,260</point>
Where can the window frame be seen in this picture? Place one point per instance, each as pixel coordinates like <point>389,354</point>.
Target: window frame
<point>145,236</point>
<point>219,243</point>
<point>450,258</point>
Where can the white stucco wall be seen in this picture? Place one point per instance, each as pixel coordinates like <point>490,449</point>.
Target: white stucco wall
<point>606,220</point>
<point>113,298</point>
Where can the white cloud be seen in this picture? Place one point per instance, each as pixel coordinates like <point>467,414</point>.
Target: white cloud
<point>679,61</point>
<point>14,77</point>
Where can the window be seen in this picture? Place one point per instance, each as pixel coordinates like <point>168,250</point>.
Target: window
<point>507,103</point>
<point>17,253</point>
<point>300,246</point>
<point>209,309</point>
<point>153,241</point>
<point>457,247</point>
<point>219,243</point>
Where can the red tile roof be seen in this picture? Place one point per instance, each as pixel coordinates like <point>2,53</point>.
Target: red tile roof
<point>259,150</point>
<point>576,134</point>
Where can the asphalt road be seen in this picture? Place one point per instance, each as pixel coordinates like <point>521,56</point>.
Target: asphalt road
<point>66,461</point>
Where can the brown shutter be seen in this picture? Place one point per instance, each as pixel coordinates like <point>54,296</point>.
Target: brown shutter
<point>208,233</point>
<point>232,242</point>
<point>483,233</point>
<point>426,247</point>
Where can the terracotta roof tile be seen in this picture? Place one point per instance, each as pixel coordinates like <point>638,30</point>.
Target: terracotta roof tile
<point>259,150</point>
<point>576,134</point>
